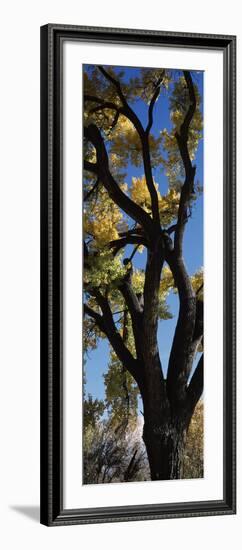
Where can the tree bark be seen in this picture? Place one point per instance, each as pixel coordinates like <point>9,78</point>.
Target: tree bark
<point>164,435</point>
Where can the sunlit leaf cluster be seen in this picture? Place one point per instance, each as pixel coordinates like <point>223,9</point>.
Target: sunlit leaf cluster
<point>102,219</point>
<point>126,146</point>
<point>104,270</point>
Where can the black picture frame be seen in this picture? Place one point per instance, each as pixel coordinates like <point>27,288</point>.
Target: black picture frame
<point>51,507</point>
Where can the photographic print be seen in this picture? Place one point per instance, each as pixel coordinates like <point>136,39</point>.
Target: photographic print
<point>143,396</point>
<point>137,275</point>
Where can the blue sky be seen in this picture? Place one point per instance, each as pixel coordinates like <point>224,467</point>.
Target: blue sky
<point>97,360</point>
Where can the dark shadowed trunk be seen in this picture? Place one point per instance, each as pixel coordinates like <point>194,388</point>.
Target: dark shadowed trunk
<point>167,409</point>
<point>165,450</point>
<point>164,435</point>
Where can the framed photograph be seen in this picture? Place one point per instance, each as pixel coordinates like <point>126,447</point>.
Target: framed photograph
<point>137,274</point>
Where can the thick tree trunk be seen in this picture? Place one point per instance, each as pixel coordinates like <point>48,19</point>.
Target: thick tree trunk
<point>165,439</point>
<point>166,422</point>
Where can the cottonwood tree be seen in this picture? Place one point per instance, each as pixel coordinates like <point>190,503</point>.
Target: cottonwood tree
<point>123,303</point>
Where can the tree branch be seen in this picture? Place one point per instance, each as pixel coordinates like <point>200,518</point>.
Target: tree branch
<point>102,105</point>
<point>152,104</point>
<point>154,264</point>
<point>115,339</point>
<point>92,133</point>
<point>90,166</point>
<point>115,83</point>
<point>186,335</point>
<point>183,346</point>
<point>195,388</point>
<point>117,244</point>
<point>135,249</point>
<point>199,289</point>
<point>171,229</point>
<point>192,107</point>
<point>135,311</point>
<point>144,138</point>
<point>188,186</point>
<point>135,230</point>
<point>96,316</point>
